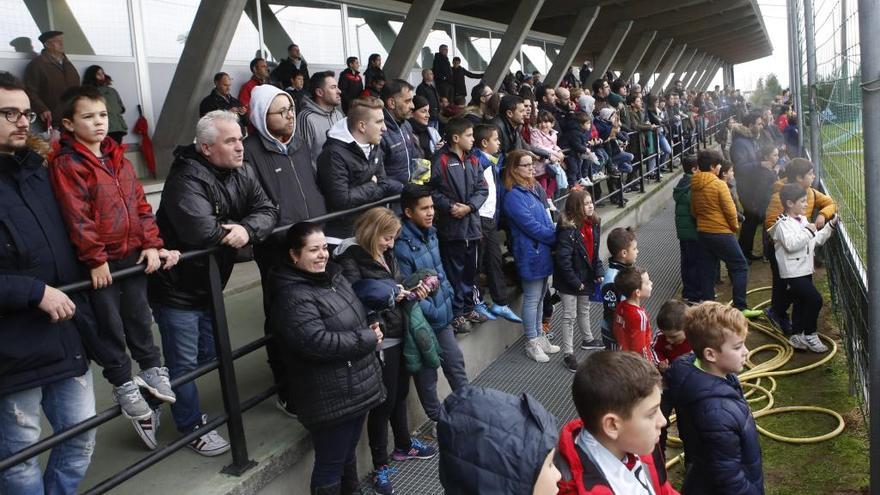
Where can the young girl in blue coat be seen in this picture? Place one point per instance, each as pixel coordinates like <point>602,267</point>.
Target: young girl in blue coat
<point>533,235</point>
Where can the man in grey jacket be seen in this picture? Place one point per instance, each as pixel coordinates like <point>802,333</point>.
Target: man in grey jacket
<point>320,111</point>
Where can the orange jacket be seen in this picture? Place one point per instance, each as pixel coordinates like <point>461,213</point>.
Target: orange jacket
<point>815,201</point>
<point>712,205</point>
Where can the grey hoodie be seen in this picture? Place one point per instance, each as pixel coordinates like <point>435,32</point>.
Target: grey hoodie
<point>312,125</point>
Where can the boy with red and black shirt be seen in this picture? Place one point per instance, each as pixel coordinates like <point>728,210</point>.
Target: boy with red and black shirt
<point>670,344</point>
<point>632,326</point>
<point>112,227</point>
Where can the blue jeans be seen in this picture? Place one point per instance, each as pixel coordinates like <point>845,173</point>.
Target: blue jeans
<point>665,149</point>
<point>532,306</point>
<point>724,247</point>
<point>187,342</point>
<point>452,362</point>
<point>65,403</point>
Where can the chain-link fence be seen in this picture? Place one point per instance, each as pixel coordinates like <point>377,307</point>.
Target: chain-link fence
<point>837,107</point>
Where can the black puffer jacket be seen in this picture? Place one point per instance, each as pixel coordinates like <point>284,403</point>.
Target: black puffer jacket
<point>357,264</point>
<point>330,352</point>
<point>457,180</point>
<point>197,198</point>
<point>572,266</point>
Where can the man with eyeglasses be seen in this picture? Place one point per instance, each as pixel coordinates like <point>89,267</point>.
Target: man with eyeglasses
<point>47,77</point>
<point>44,366</point>
<point>289,182</point>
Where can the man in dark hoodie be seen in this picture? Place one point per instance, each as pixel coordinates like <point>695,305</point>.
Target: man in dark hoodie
<point>746,157</point>
<point>290,184</point>
<point>351,170</point>
<point>398,144</point>
<point>350,82</point>
<point>209,200</point>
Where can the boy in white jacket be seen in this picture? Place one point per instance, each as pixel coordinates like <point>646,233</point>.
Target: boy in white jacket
<point>795,242</point>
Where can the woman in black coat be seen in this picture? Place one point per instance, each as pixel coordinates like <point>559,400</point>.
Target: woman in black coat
<point>334,373</point>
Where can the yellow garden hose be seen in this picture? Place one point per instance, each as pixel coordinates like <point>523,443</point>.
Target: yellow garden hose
<point>767,371</point>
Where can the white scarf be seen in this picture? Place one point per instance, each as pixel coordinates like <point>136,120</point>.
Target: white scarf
<point>623,481</point>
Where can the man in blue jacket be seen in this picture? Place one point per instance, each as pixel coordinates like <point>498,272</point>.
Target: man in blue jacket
<point>42,361</point>
<point>399,145</point>
<point>415,249</point>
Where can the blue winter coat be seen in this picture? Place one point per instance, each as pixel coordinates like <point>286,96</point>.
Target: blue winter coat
<point>35,251</point>
<point>399,146</point>
<point>534,235</point>
<point>416,249</point>
<point>719,433</point>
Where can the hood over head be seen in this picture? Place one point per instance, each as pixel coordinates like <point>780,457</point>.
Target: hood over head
<point>261,100</point>
<point>586,103</point>
<point>606,113</point>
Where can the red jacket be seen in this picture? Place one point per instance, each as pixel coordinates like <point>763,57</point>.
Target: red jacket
<point>670,352</point>
<point>582,477</point>
<point>103,205</point>
<point>632,329</point>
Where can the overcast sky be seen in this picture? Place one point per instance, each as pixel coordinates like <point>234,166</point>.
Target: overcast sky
<point>747,74</point>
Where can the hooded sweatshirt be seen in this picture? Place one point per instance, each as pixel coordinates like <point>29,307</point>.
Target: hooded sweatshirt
<point>287,179</point>
<point>712,205</point>
<point>312,125</point>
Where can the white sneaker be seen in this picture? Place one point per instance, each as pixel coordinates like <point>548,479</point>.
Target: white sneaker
<point>148,428</point>
<point>599,176</point>
<point>210,444</point>
<point>585,182</point>
<point>533,351</point>
<point>814,344</point>
<point>546,346</point>
<point>798,342</point>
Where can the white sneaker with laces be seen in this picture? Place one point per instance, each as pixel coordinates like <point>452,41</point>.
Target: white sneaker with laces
<point>798,342</point>
<point>814,344</point>
<point>533,351</point>
<point>210,444</point>
<point>148,428</point>
<point>546,346</point>
<point>585,182</point>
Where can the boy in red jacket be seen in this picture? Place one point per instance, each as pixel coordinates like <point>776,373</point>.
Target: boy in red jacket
<point>632,326</point>
<point>112,227</point>
<point>612,447</point>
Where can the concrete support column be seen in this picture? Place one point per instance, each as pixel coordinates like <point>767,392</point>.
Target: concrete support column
<point>669,65</point>
<point>637,55</point>
<point>707,75</point>
<point>411,38</point>
<point>603,63</point>
<point>683,64</point>
<point>513,38</point>
<point>697,66</point>
<point>576,35</point>
<point>203,55</point>
<point>276,38</point>
<point>710,75</point>
<point>653,63</point>
<point>704,74</point>
<point>56,15</point>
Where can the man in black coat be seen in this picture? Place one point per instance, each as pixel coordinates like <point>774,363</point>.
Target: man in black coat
<point>221,99</point>
<point>209,200</point>
<point>443,72</point>
<point>293,63</point>
<point>42,361</point>
<point>350,82</point>
<point>428,90</point>
<point>458,75</point>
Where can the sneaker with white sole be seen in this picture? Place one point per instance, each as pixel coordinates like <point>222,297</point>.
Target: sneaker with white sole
<point>814,344</point>
<point>285,407</point>
<point>585,182</point>
<point>533,351</point>
<point>210,444</point>
<point>130,400</point>
<point>148,428</point>
<point>157,382</point>
<point>546,346</point>
<point>798,342</point>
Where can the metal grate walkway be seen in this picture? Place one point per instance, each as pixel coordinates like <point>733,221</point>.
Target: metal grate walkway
<point>550,383</point>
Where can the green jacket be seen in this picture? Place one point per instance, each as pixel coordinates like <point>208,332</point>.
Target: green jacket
<point>685,224</point>
<point>115,109</point>
<point>420,346</point>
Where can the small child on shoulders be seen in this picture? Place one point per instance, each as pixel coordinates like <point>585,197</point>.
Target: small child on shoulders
<point>632,326</point>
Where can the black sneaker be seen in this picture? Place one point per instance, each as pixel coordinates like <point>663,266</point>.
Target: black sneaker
<point>460,325</point>
<point>570,362</point>
<point>589,345</point>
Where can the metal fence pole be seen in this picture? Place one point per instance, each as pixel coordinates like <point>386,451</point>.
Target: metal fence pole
<point>226,369</point>
<point>810,35</point>
<point>869,17</point>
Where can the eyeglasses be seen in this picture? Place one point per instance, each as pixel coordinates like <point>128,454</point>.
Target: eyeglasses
<point>284,112</point>
<point>525,164</point>
<point>13,115</point>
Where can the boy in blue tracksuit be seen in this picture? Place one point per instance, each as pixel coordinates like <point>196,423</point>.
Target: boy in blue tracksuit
<point>417,248</point>
<point>624,250</point>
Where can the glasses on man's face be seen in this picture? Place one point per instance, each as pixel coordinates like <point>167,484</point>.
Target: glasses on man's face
<point>13,115</point>
<point>284,112</point>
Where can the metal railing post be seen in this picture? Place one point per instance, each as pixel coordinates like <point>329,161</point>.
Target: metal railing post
<point>226,370</point>
<point>809,31</point>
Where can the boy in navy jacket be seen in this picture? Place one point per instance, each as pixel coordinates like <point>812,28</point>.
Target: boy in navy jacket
<point>624,250</point>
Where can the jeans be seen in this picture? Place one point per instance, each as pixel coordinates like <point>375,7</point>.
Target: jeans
<point>575,309</point>
<point>335,446</point>
<point>460,263</point>
<point>806,304</point>
<point>65,403</point>
<point>187,342</point>
<point>396,380</point>
<point>533,299</point>
<point>691,256</point>
<point>724,247</point>
<point>452,362</point>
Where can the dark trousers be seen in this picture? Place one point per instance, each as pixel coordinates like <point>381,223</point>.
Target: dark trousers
<point>460,263</point>
<point>396,380</point>
<point>268,255</point>
<point>124,319</point>
<point>445,88</point>
<point>490,261</point>
<point>453,367</point>
<point>806,303</point>
<point>748,230</point>
<point>335,447</point>
<point>691,256</point>
<point>723,247</point>
<point>780,299</point>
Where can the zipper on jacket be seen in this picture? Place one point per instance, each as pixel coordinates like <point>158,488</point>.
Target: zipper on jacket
<point>299,184</point>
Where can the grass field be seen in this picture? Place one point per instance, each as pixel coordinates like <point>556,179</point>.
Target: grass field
<point>843,172</point>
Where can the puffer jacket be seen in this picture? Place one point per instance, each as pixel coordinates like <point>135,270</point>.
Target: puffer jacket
<point>525,210</point>
<point>816,200</point>
<point>685,224</point>
<point>572,266</point>
<point>399,148</point>
<point>345,176</point>
<point>198,197</point>
<point>35,251</point>
<point>358,264</point>
<point>458,181</point>
<point>795,245</point>
<point>712,205</point>
<point>720,437</point>
<point>417,249</point>
<point>103,203</point>
<point>546,142</point>
<point>331,361</point>
<point>744,151</point>
<point>493,442</point>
